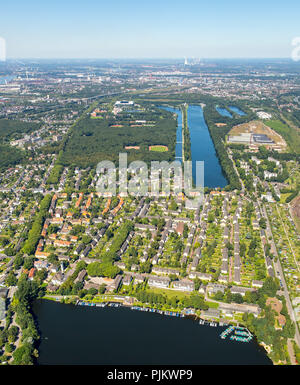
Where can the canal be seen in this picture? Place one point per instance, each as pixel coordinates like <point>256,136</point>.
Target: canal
<point>75,335</point>
<point>178,147</point>
<point>202,147</point>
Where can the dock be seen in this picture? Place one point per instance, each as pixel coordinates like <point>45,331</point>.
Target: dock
<point>237,333</point>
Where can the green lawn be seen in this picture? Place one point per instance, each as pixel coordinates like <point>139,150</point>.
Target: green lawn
<point>169,293</point>
<point>289,134</point>
<point>158,148</point>
<point>213,305</point>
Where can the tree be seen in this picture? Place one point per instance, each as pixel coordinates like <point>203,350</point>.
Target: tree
<point>18,262</point>
<point>145,267</point>
<point>102,289</point>
<point>52,258</point>
<point>197,283</point>
<point>238,298</point>
<point>173,205</point>
<point>269,287</point>
<point>10,251</point>
<point>263,223</point>
<point>12,333</point>
<point>92,291</point>
<point>219,296</point>
<point>11,279</point>
<point>28,263</point>
<point>22,355</point>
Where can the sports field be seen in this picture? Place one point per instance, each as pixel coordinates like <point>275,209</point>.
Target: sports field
<point>158,148</point>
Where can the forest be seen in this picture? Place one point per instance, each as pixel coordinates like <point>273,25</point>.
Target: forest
<point>10,156</point>
<point>93,140</point>
<point>10,129</point>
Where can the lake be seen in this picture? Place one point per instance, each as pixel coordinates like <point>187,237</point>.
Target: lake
<point>237,110</point>
<point>74,335</point>
<point>223,112</point>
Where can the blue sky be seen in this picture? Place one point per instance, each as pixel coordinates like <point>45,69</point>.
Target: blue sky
<point>149,29</point>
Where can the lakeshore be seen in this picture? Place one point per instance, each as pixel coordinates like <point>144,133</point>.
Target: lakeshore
<point>75,335</point>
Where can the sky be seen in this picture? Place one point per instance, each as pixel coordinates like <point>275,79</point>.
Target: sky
<point>149,29</point>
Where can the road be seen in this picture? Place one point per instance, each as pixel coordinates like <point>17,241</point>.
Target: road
<point>280,275</point>
<point>277,264</point>
<point>237,173</point>
<point>291,351</point>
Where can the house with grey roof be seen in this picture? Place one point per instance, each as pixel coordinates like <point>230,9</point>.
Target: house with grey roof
<point>127,279</point>
<point>202,276</point>
<point>213,288</point>
<point>116,283</point>
<point>80,276</point>
<point>184,285</point>
<point>195,263</point>
<point>210,313</point>
<point>240,290</point>
<point>161,282</point>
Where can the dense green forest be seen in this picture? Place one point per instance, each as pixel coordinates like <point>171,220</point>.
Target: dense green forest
<point>10,129</point>
<point>10,156</point>
<point>93,140</point>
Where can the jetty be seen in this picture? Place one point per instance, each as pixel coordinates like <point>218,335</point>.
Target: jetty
<point>237,333</point>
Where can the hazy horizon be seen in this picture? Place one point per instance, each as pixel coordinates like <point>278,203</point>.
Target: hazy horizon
<point>136,29</point>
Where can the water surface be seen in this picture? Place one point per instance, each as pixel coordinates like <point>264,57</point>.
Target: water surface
<point>178,147</point>
<point>237,110</point>
<point>202,149</point>
<point>74,335</point>
<point>224,112</point>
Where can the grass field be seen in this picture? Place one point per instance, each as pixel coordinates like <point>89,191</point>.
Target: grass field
<point>169,293</point>
<point>289,134</point>
<point>158,148</point>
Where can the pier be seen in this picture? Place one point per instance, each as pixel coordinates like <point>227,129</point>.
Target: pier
<point>237,333</point>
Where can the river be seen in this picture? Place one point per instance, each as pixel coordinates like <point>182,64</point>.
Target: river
<point>74,335</point>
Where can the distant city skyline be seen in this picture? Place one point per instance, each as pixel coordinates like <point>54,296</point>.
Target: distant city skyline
<point>155,29</point>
